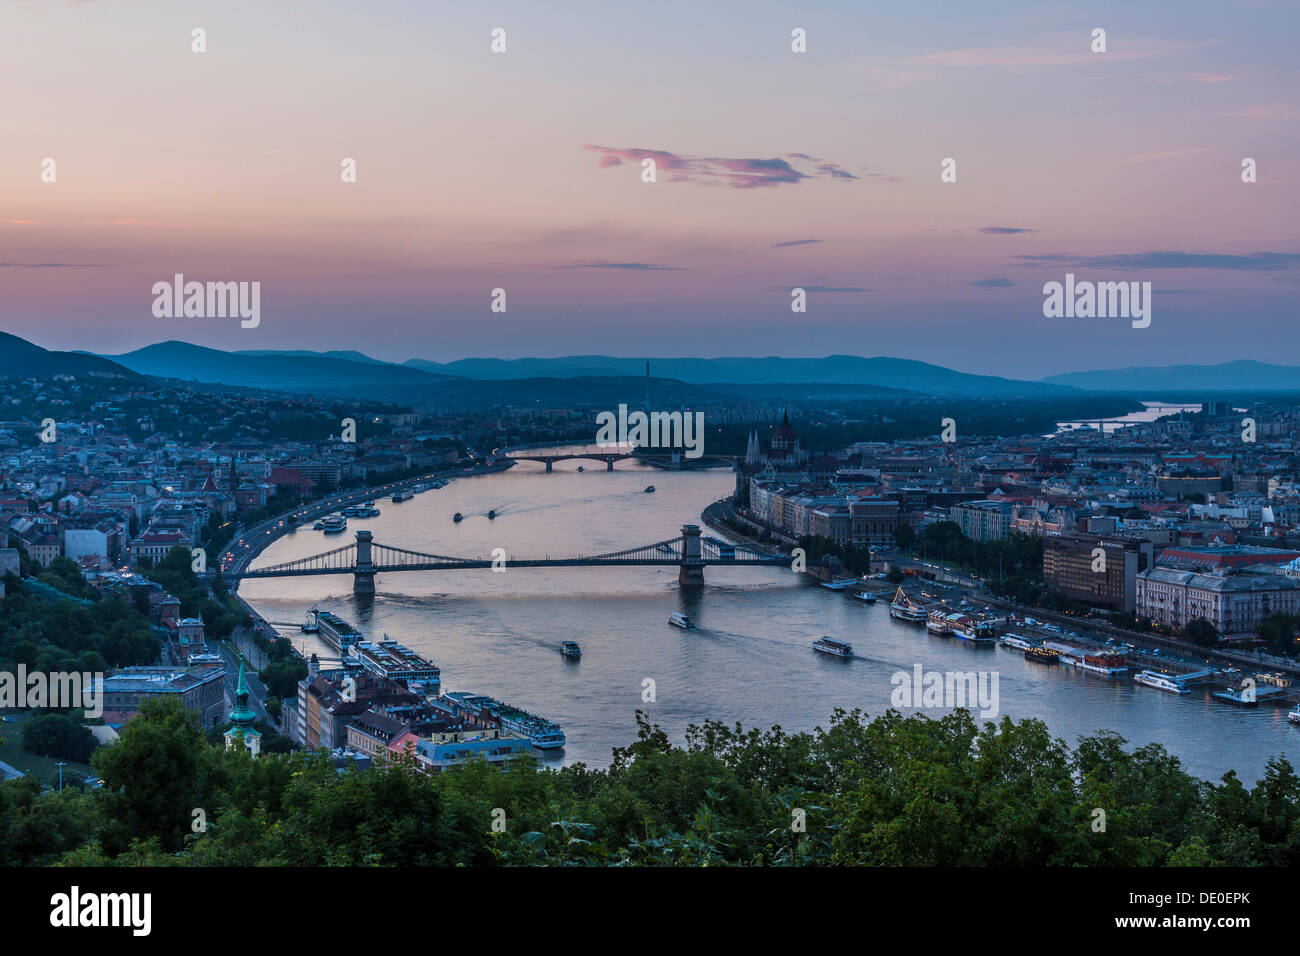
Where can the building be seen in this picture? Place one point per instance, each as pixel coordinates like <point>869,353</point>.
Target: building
<point>984,520</point>
<point>199,687</point>
<point>1097,569</point>
<point>1234,602</point>
<point>873,519</point>
<point>456,748</point>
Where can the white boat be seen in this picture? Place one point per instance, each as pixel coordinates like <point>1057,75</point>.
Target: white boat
<point>311,625</point>
<point>1018,642</point>
<point>866,596</point>
<point>829,645</point>
<point>333,524</point>
<point>1160,681</point>
<point>678,619</point>
<point>1294,716</point>
<point>905,609</point>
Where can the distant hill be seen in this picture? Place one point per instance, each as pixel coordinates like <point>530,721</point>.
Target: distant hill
<point>347,355</point>
<point>1242,376</point>
<point>882,372</point>
<point>275,370</point>
<point>22,359</point>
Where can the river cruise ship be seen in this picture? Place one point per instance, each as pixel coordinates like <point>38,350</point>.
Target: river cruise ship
<point>332,629</point>
<point>333,524</point>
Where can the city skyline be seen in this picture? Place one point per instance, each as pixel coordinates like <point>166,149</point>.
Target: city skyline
<point>522,170</point>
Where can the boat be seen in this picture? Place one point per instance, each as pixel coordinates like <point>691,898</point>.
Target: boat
<point>492,513</point>
<point>904,608</point>
<point>974,629</point>
<point>571,649</point>
<point>333,524</point>
<point>938,622</point>
<point>458,517</point>
<point>839,584</point>
<point>865,596</point>
<point>678,619</point>
<point>311,625</point>
<point>1294,716</point>
<point>1104,662</point>
<point>367,510</point>
<point>544,734</point>
<point>1150,678</point>
<point>1041,655</point>
<point>335,631</point>
<point>829,645</point>
<point>1243,697</point>
<point>1018,642</point>
<point>1067,653</point>
<point>649,489</point>
<point>580,468</point>
<point>319,525</point>
<point>419,487</point>
<point>403,495</point>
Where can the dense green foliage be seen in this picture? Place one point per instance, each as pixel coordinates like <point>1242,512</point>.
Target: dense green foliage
<point>890,791</point>
<point>58,735</point>
<point>66,636</point>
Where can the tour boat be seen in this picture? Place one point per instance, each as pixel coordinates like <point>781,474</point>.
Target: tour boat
<point>829,645</point>
<point>1294,716</point>
<point>905,609</point>
<point>405,495</point>
<point>311,625</point>
<point>865,596</point>
<point>678,619</point>
<point>1160,681</point>
<point>333,524</point>
<point>1018,642</point>
<point>939,622</point>
<point>571,649</point>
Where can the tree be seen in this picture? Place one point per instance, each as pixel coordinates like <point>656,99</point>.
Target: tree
<point>1201,632</point>
<point>58,735</point>
<point>155,776</point>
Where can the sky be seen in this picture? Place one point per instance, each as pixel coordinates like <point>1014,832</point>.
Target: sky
<point>522,170</point>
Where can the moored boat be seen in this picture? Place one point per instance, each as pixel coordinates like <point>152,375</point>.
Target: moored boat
<point>1041,655</point>
<point>1150,678</point>
<point>1018,642</point>
<point>333,524</point>
<point>903,608</point>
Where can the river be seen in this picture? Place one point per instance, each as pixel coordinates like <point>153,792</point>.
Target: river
<point>750,659</point>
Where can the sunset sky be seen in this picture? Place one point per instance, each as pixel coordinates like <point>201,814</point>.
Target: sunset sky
<point>776,169</point>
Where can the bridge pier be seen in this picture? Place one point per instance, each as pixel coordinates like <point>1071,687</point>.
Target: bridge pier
<point>609,464</point>
<point>691,574</point>
<point>363,575</point>
<point>549,463</point>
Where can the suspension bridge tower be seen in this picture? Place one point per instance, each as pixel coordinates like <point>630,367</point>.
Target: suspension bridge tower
<point>363,576</point>
<point>692,570</point>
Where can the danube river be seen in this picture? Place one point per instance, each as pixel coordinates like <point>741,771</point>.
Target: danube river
<point>748,661</point>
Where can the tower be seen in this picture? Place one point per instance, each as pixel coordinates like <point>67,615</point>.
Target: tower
<point>243,719</point>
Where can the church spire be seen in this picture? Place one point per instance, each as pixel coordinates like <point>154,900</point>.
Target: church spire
<point>243,719</point>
